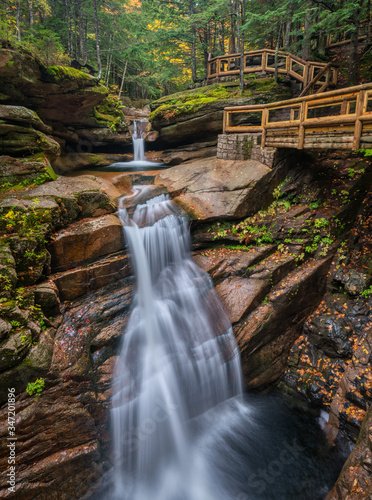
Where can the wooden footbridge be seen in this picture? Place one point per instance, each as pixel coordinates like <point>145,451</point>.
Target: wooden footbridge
<point>339,119</point>
<point>315,76</point>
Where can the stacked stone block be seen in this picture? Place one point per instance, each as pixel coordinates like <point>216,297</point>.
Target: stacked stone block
<point>244,147</point>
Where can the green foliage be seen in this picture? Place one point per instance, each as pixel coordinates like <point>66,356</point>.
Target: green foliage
<point>157,42</point>
<point>31,222</point>
<point>35,388</point>
<point>6,282</point>
<point>109,112</point>
<point>367,293</point>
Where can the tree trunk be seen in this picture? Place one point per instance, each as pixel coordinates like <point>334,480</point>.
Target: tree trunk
<point>233,33</point>
<point>241,80</point>
<point>18,20</point>
<point>31,13</point>
<point>306,44</point>
<point>108,67</point>
<point>222,38</point>
<point>276,74</point>
<point>369,34</point>
<point>237,17</point>
<point>287,37</point>
<point>81,31</point>
<point>193,43</point>
<point>322,39</point>
<point>85,58</point>
<point>108,61</point>
<point>68,26</point>
<point>97,40</point>
<point>353,54</point>
<point>122,78</point>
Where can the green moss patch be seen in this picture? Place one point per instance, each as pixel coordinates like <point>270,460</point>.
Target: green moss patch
<point>191,101</point>
<point>109,113</point>
<point>58,73</point>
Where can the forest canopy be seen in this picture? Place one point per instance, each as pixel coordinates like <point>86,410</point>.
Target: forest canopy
<point>154,47</point>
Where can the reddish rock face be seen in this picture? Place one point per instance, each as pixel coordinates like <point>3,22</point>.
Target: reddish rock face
<point>86,241</point>
<point>77,282</point>
<point>213,189</point>
<point>63,436</point>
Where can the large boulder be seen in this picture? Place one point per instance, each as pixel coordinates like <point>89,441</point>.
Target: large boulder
<point>86,241</point>
<point>213,189</point>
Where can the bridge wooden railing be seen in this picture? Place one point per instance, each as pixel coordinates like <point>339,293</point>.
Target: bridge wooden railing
<point>341,38</point>
<point>264,60</point>
<point>339,119</point>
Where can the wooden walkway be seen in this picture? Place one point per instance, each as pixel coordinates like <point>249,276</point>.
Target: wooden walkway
<point>321,74</point>
<point>339,119</point>
<point>340,39</point>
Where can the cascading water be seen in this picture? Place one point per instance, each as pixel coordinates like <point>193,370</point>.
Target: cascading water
<point>139,158</point>
<point>139,130</point>
<point>179,358</point>
<point>181,429</point>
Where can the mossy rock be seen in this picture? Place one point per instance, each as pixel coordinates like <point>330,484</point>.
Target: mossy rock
<point>5,328</point>
<point>191,101</point>
<point>40,357</point>
<point>32,259</point>
<point>16,140</point>
<point>14,349</point>
<point>109,114</point>
<point>59,73</point>
<point>19,173</point>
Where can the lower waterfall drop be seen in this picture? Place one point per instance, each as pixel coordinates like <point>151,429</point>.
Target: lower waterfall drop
<point>178,359</point>
<point>182,429</point>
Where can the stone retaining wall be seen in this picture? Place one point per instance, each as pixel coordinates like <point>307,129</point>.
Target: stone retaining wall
<point>245,147</point>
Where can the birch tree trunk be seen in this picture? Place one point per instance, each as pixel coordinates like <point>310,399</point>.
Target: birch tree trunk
<point>31,13</point>
<point>18,19</point>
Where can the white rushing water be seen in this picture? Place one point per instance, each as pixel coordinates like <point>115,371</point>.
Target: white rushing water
<point>138,138</point>
<point>139,156</point>
<point>178,359</point>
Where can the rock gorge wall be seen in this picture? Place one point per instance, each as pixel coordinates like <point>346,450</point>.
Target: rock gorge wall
<point>288,248</point>
<point>270,273</point>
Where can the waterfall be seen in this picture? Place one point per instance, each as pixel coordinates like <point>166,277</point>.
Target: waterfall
<point>139,158</point>
<point>178,359</point>
<point>138,138</point>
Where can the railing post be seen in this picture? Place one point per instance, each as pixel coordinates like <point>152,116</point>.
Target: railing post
<point>218,68</point>
<point>306,75</point>
<point>224,121</point>
<point>265,115</point>
<point>264,61</point>
<point>301,130</point>
<point>359,110</point>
